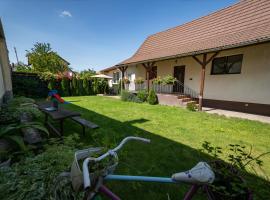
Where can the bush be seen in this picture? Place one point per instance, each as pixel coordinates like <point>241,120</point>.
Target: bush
<point>152,98</point>
<point>142,95</point>
<point>139,80</point>
<point>192,106</point>
<point>127,96</point>
<point>85,86</point>
<point>74,84</point>
<point>65,86</point>
<point>32,177</point>
<point>168,80</point>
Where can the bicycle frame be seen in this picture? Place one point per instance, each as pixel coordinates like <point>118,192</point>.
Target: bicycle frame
<point>106,191</point>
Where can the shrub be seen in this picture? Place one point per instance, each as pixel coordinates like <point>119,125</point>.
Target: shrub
<point>168,80</point>
<point>65,86</point>
<point>74,84</point>
<point>139,80</point>
<point>20,100</point>
<point>80,90</point>
<point>33,177</point>
<point>152,98</point>
<point>127,96</point>
<point>86,86</point>
<point>142,95</point>
<point>192,106</point>
<point>157,80</point>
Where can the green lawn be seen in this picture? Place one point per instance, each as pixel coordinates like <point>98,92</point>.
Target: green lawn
<point>176,136</point>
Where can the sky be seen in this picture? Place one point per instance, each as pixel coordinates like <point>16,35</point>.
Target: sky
<point>94,33</point>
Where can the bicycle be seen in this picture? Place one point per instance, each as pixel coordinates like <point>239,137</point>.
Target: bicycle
<point>94,174</point>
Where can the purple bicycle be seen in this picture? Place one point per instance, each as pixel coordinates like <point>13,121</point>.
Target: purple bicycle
<point>97,170</point>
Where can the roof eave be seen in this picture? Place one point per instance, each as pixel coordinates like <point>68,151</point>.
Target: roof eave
<point>242,44</point>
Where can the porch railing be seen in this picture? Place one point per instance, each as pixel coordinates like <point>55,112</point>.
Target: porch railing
<point>176,88</point>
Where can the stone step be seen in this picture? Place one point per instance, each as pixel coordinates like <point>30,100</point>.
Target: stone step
<point>182,96</point>
<point>186,99</point>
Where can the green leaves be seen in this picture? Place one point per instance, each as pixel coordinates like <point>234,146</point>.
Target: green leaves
<point>33,177</point>
<point>43,59</point>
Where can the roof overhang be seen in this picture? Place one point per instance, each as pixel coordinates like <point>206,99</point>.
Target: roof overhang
<point>227,47</point>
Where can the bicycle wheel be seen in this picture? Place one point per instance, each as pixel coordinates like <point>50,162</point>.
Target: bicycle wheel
<point>62,188</point>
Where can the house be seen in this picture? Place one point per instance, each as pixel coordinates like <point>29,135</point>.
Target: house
<point>222,60</point>
<point>5,70</point>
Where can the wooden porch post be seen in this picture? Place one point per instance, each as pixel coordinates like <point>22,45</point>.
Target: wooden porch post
<point>123,70</point>
<point>203,65</point>
<point>148,67</point>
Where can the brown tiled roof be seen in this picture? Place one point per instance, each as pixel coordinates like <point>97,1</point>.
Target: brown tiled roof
<point>108,69</point>
<point>244,23</point>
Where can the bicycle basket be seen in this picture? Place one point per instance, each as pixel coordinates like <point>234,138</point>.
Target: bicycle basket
<point>76,171</point>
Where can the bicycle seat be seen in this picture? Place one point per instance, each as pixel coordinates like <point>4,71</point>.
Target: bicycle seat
<point>200,173</point>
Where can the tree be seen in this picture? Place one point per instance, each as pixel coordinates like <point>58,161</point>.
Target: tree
<point>43,59</point>
<point>21,67</point>
<point>86,74</point>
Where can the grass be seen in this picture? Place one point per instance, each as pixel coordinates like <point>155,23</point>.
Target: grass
<point>176,135</point>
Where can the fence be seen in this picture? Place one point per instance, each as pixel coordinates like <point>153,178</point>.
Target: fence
<point>28,84</point>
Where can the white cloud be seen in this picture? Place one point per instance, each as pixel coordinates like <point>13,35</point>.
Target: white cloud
<point>65,13</point>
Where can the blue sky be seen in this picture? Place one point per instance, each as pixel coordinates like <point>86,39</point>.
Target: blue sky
<point>94,33</point>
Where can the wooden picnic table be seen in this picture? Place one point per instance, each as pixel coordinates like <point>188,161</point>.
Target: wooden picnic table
<point>58,115</point>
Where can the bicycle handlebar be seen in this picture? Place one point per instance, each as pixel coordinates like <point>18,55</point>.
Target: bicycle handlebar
<point>112,152</point>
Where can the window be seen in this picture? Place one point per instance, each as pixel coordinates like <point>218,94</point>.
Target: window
<point>227,65</point>
<point>152,73</point>
<point>116,76</point>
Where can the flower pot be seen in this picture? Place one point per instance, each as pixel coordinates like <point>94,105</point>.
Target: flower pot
<point>126,86</point>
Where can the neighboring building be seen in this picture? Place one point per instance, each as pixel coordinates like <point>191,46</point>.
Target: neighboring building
<point>5,70</point>
<point>223,57</point>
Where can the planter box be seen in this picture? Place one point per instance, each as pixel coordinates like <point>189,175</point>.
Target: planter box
<point>139,87</point>
<point>168,88</point>
<point>157,88</point>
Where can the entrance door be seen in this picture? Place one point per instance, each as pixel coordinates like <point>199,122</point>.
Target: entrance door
<point>179,74</point>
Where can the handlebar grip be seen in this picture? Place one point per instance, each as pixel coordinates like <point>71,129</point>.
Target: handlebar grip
<point>86,175</point>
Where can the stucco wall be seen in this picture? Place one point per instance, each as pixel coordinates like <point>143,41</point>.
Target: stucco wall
<point>2,88</point>
<point>5,74</point>
<point>252,85</point>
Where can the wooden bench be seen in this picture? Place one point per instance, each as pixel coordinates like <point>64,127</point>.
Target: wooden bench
<point>84,123</point>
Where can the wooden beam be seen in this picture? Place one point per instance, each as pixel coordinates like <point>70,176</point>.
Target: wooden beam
<point>197,59</point>
<point>123,70</point>
<point>148,67</point>
<point>212,57</point>
<point>203,65</point>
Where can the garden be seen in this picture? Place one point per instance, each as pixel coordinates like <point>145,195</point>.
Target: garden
<point>177,137</point>
<point>32,157</point>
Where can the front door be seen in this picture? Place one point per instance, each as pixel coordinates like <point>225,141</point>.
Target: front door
<point>179,74</point>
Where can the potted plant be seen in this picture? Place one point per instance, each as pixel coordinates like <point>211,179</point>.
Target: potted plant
<point>139,84</point>
<point>157,84</point>
<point>126,81</point>
<point>229,183</point>
<point>168,82</point>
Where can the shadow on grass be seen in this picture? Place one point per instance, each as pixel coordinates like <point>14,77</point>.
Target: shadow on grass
<point>162,157</point>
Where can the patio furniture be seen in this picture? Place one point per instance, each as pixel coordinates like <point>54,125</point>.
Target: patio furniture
<point>57,115</point>
<point>84,123</point>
